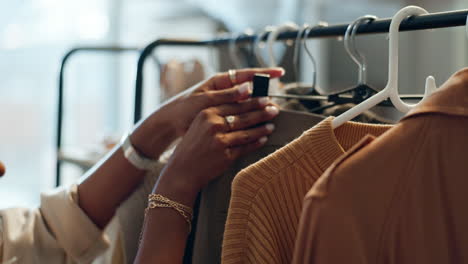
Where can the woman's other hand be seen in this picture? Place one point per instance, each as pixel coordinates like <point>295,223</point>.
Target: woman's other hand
<point>212,143</point>
<point>215,91</point>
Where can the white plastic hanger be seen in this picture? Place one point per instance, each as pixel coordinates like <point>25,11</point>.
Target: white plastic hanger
<point>300,39</point>
<point>391,89</point>
<point>233,51</point>
<point>272,38</point>
<point>274,87</point>
<point>259,44</point>
<point>233,48</point>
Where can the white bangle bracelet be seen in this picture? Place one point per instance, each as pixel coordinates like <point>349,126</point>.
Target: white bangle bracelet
<point>134,157</point>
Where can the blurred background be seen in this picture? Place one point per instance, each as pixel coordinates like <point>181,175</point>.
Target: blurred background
<point>36,34</point>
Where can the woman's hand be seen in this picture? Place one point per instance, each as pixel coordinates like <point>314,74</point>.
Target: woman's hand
<point>178,113</point>
<point>215,91</point>
<point>112,180</point>
<point>212,144</point>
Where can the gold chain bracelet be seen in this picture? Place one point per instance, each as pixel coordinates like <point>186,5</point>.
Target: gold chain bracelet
<point>159,198</point>
<point>159,201</point>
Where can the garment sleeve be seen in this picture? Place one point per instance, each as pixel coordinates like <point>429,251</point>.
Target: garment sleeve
<point>57,232</point>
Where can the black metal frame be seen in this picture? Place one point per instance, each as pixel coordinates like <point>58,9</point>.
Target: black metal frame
<point>61,84</point>
<point>429,21</point>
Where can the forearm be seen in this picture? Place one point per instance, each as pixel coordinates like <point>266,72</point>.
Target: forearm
<point>107,185</point>
<point>209,146</point>
<point>165,230</point>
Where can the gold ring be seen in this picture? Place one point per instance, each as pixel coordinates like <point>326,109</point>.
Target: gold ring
<point>233,77</point>
<point>230,121</point>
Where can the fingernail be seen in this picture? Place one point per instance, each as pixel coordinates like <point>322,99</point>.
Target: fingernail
<point>280,69</point>
<point>273,110</point>
<point>270,127</point>
<point>244,88</point>
<point>263,140</point>
<point>263,101</point>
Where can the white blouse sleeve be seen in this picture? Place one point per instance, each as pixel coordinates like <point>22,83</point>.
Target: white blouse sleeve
<point>57,232</point>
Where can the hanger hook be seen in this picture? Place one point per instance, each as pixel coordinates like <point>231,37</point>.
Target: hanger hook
<point>321,24</point>
<point>274,35</point>
<point>297,45</point>
<point>233,48</point>
<point>350,46</point>
<point>391,89</point>
<point>466,26</point>
<point>392,85</point>
<point>233,51</point>
<point>257,45</point>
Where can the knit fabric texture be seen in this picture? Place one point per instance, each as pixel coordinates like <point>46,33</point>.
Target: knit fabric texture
<point>267,196</point>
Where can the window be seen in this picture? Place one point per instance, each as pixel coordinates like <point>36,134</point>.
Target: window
<point>34,35</point>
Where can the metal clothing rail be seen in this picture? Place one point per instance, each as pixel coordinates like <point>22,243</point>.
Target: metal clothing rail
<point>61,83</point>
<point>429,21</point>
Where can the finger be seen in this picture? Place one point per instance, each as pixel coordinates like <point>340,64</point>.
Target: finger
<point>244,137</point>
<point>248,105</point>
<point>239,151</point>
<point>227,96</point>
<point>251,119</point>
<point>222,80</point>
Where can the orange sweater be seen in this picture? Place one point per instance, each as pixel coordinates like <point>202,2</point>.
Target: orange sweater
<point>267,196</point>
<point>398,199</point>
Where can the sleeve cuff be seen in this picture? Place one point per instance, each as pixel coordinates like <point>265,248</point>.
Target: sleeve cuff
<point>81,239</point>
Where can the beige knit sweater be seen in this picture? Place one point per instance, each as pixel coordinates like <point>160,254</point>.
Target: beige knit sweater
<point>267,196</point>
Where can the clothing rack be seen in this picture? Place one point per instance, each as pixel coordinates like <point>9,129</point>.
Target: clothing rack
<point>61,88</point>
<point>429,21</point>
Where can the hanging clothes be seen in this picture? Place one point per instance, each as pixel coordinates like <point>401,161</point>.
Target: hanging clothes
<point>400,198</point>
<point>130,214</point>
<point>267,197</point>
<point>365,117</point>
<point>215,197</point>
<point>177,76</point>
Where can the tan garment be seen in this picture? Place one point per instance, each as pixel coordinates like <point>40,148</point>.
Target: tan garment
<point>177,76</point>
<point>59,232</point>
<point>267,197</point>
<point>215,197</point>
<point>125,228</point>
<point>400,198</point>
<point>130,214</point>
<point>115,253</point>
